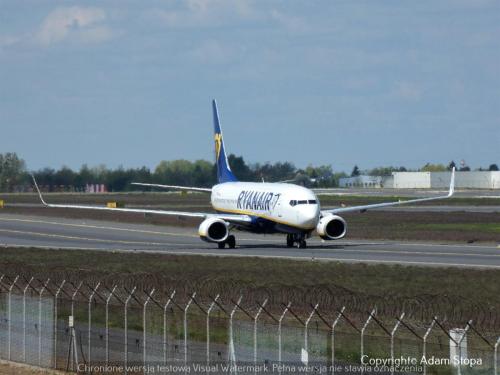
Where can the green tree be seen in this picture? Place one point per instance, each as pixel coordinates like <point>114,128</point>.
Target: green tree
<point>433,168</point>
<point>386,171</point>
<point>493,167</point>
<point>355,171</point>
<point>175,172</point>
<point>203,173</point>
<point>12,170</point>
<point>240,169</point>
<point>65,178</point>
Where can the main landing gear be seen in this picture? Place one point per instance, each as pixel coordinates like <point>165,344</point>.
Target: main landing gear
<point>230,241</point>
<point>297,240</point>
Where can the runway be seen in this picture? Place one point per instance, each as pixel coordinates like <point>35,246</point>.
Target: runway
<point>62,233</point>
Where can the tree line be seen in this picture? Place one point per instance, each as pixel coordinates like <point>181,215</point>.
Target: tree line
<point>15,177</point>
<point>200,173</point>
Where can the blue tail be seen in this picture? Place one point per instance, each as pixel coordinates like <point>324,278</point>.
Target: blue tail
<point>224,173</point>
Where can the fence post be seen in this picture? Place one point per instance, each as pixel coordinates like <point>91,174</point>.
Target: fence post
<point>55,320</point>
<point>334,325</point>
<point>90,321</point>
<point>107,322</point>
<point>256,317</point>
<point>74,320</point>
<point>210,308</point>
<point>40,323</point>
<point>495,357</point>
<point>363,338</point>
<point>165,326</point>
<point>393,333</point>
<point>280,320</point>
<point>459,344</point>
<point>9,329</point>
<point>125,357</point>
<point>185,327</point>
<point>232,354</point>
<point>24,317</point>
<point>144,351</point>
<point>306,325</point>
<point>424,339</point>
<point>73,299</point>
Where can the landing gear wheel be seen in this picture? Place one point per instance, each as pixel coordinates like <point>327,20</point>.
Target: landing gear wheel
<point>302,244</point>
<point>289,240</point>
<point>221,245</point>
<point>231,242</point>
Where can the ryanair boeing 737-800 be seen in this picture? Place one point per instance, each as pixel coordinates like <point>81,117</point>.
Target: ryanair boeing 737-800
<point>258,207</point>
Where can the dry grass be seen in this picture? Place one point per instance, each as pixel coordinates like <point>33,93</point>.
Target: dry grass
<point>456,295</point>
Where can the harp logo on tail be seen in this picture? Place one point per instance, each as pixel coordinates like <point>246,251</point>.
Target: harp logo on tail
<point>218,144</point>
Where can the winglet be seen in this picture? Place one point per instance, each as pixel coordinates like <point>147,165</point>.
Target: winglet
<point>38,190</point>
<point>452,183</point>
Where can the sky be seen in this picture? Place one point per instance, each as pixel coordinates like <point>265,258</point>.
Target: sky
<point>372,83</point>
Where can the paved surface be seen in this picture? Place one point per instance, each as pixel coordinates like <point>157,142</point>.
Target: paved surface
<point>19,230</point>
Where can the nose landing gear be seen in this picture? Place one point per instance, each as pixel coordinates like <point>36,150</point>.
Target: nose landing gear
<point>297,240</point>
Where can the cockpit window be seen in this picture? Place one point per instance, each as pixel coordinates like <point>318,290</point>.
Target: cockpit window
<point>294,202</point>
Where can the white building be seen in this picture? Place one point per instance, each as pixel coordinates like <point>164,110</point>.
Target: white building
<point>361,181</point>
<point>425,180</point>
<point>441,180</point>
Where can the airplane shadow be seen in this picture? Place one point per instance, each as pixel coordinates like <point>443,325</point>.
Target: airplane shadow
<point>309,247</point>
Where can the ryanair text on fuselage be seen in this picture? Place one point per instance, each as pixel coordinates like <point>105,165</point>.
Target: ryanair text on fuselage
<point>257,200</point>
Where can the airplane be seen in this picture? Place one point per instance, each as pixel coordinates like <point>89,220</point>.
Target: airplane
<point>258,207</point>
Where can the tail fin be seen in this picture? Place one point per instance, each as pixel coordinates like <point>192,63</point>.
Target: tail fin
<point>224,173</point>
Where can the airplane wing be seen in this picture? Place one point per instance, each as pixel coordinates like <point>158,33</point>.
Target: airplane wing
<point>232,218</point>
<point>208,190</point>
<point>380,205</point>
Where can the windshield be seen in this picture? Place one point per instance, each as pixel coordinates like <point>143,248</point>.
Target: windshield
<point>295,202</point>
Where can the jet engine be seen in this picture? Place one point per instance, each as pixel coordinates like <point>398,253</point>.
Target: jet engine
<point>213,230</point>
<point>331,227</point>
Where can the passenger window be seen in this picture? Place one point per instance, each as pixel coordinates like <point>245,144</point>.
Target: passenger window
<point>302,202</point>
<point>312,201</point>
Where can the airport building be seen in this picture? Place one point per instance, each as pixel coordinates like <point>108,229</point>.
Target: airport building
<point>441,180</point>
<point>364,181</point>
<point>426,180</point>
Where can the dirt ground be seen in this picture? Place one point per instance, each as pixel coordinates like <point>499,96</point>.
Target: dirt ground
<point>12,368</point>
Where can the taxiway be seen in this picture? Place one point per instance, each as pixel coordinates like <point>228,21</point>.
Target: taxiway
<point>63,233</point>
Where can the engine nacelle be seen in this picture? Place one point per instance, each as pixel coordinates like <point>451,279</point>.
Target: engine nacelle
<point>331,227</point>
<point>213,230</point>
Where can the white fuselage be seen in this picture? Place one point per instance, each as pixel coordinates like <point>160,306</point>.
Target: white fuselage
<point>285,204</point>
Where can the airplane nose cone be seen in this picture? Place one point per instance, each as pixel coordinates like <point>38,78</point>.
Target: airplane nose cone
<point>310,215</point>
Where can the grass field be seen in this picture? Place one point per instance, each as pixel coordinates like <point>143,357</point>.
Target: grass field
<point>451,293</point>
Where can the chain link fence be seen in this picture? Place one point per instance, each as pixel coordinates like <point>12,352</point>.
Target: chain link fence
<point>102,328</point>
